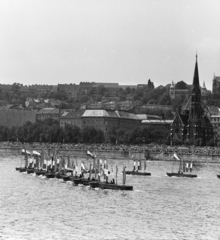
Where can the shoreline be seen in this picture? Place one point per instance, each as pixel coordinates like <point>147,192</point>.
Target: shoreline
<point>122,155</point>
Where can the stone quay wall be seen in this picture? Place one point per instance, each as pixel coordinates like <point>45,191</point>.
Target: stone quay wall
<point>123,155</point>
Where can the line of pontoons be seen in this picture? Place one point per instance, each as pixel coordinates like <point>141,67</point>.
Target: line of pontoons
<point>51,165</point>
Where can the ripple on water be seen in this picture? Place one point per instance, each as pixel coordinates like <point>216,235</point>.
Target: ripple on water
<point>33,207</point>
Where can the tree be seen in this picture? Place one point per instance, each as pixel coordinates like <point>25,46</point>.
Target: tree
<point>181,85</point>
<point>164,99</point>
<point>89,134</point>
<point>112,135</point>
<point>84,99</point>
<point>100,138</point>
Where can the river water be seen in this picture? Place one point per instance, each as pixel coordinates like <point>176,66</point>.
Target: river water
<point>160,207</point>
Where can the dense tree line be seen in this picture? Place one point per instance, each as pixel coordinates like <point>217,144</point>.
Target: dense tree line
<point>49,131</point>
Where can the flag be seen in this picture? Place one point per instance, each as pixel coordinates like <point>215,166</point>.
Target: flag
<point>83,169</point>
<point>187,165</point>
<point>145,164</point>
<point>190,166</point>
<point>124,175</point>
<point>116,173</point>
<point>36,153</point>
<point>176,157</point>
<point>90,154</point>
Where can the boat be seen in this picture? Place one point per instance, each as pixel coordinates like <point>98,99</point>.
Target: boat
<point>138,173</point>
<point>182,169</point>
<point>138,167</point>
<point>39,172</point>
<point>31,164</point>
<point>39,168</point>
<point>30,170</point>
<point>50,175</point>
<point>83,181</point>
<point>112,185</point>
<point>103,185</point>
<point>26,154</point>
<point>24,169</point>
<point>63,170</point>
<point>218,176</point>
<point>50,166</point>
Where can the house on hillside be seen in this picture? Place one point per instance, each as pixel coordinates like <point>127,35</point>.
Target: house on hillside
<point>71,118</point>
<point>45,113</point>
<point>107,119</point>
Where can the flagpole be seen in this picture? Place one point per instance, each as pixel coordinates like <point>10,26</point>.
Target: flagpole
<point>116,174</point>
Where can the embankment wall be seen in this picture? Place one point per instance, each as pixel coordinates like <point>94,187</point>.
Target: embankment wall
<point>116,154</point>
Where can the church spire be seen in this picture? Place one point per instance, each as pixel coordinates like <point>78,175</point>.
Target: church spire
<point>196,85</point>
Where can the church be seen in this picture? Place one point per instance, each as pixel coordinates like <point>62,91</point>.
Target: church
<point>191,124</point>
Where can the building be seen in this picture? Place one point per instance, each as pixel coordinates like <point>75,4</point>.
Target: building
<point>161,125</point>
<point>6,88</point>
<point>112,105</point>
<point>45,113</point>
<point>71,118</point>
<point>24,90</point>
<point>85,87</point>
<point>71,90</point>
<point>112,88</point>
<point>107,119</point>
<point>177,92</point>
<point>216,84</point>
<point>16,118</point>
<point>214,110</point>
<point>157,107</point>
<point>215,120</point>
<point>192,124</point>
<point>214,116</point>
<point>128,86</point>
<point>41,88</point>
<point>148,117</point>
<point>142,86</point>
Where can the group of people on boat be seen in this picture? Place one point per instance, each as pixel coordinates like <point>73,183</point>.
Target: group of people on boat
<point>56,164</point>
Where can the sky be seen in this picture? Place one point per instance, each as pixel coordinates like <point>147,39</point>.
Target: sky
<point>118,41</point>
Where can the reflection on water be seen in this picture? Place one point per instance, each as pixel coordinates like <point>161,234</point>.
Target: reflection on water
<point>160,207</point>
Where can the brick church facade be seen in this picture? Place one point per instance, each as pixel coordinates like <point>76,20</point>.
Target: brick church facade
<point>192,123</point>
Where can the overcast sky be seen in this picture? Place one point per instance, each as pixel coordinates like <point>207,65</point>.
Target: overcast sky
<point>124,41</point>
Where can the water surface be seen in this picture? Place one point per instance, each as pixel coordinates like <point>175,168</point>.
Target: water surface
<point>160,207</point>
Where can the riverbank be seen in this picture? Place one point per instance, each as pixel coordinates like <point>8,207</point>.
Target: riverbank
<point>121,154</point>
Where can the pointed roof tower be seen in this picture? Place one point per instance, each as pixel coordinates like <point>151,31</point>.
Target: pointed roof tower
<point>196,85</point>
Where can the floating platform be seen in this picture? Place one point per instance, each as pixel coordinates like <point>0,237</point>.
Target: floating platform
<point>50,175</point>
<point>138,173</point>
<point>104,185</point>
<point>83,181</point>
<point>39,172</point>
<point>30,170</point>
<point>71,178</point>
<point>181,175</point>
<point>24,169</point>
<point>66,178</point>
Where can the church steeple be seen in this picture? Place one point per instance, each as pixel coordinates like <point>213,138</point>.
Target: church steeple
<point>196,86</point>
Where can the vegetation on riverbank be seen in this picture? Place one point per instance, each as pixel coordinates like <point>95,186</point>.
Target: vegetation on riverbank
<point>49,131</point>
